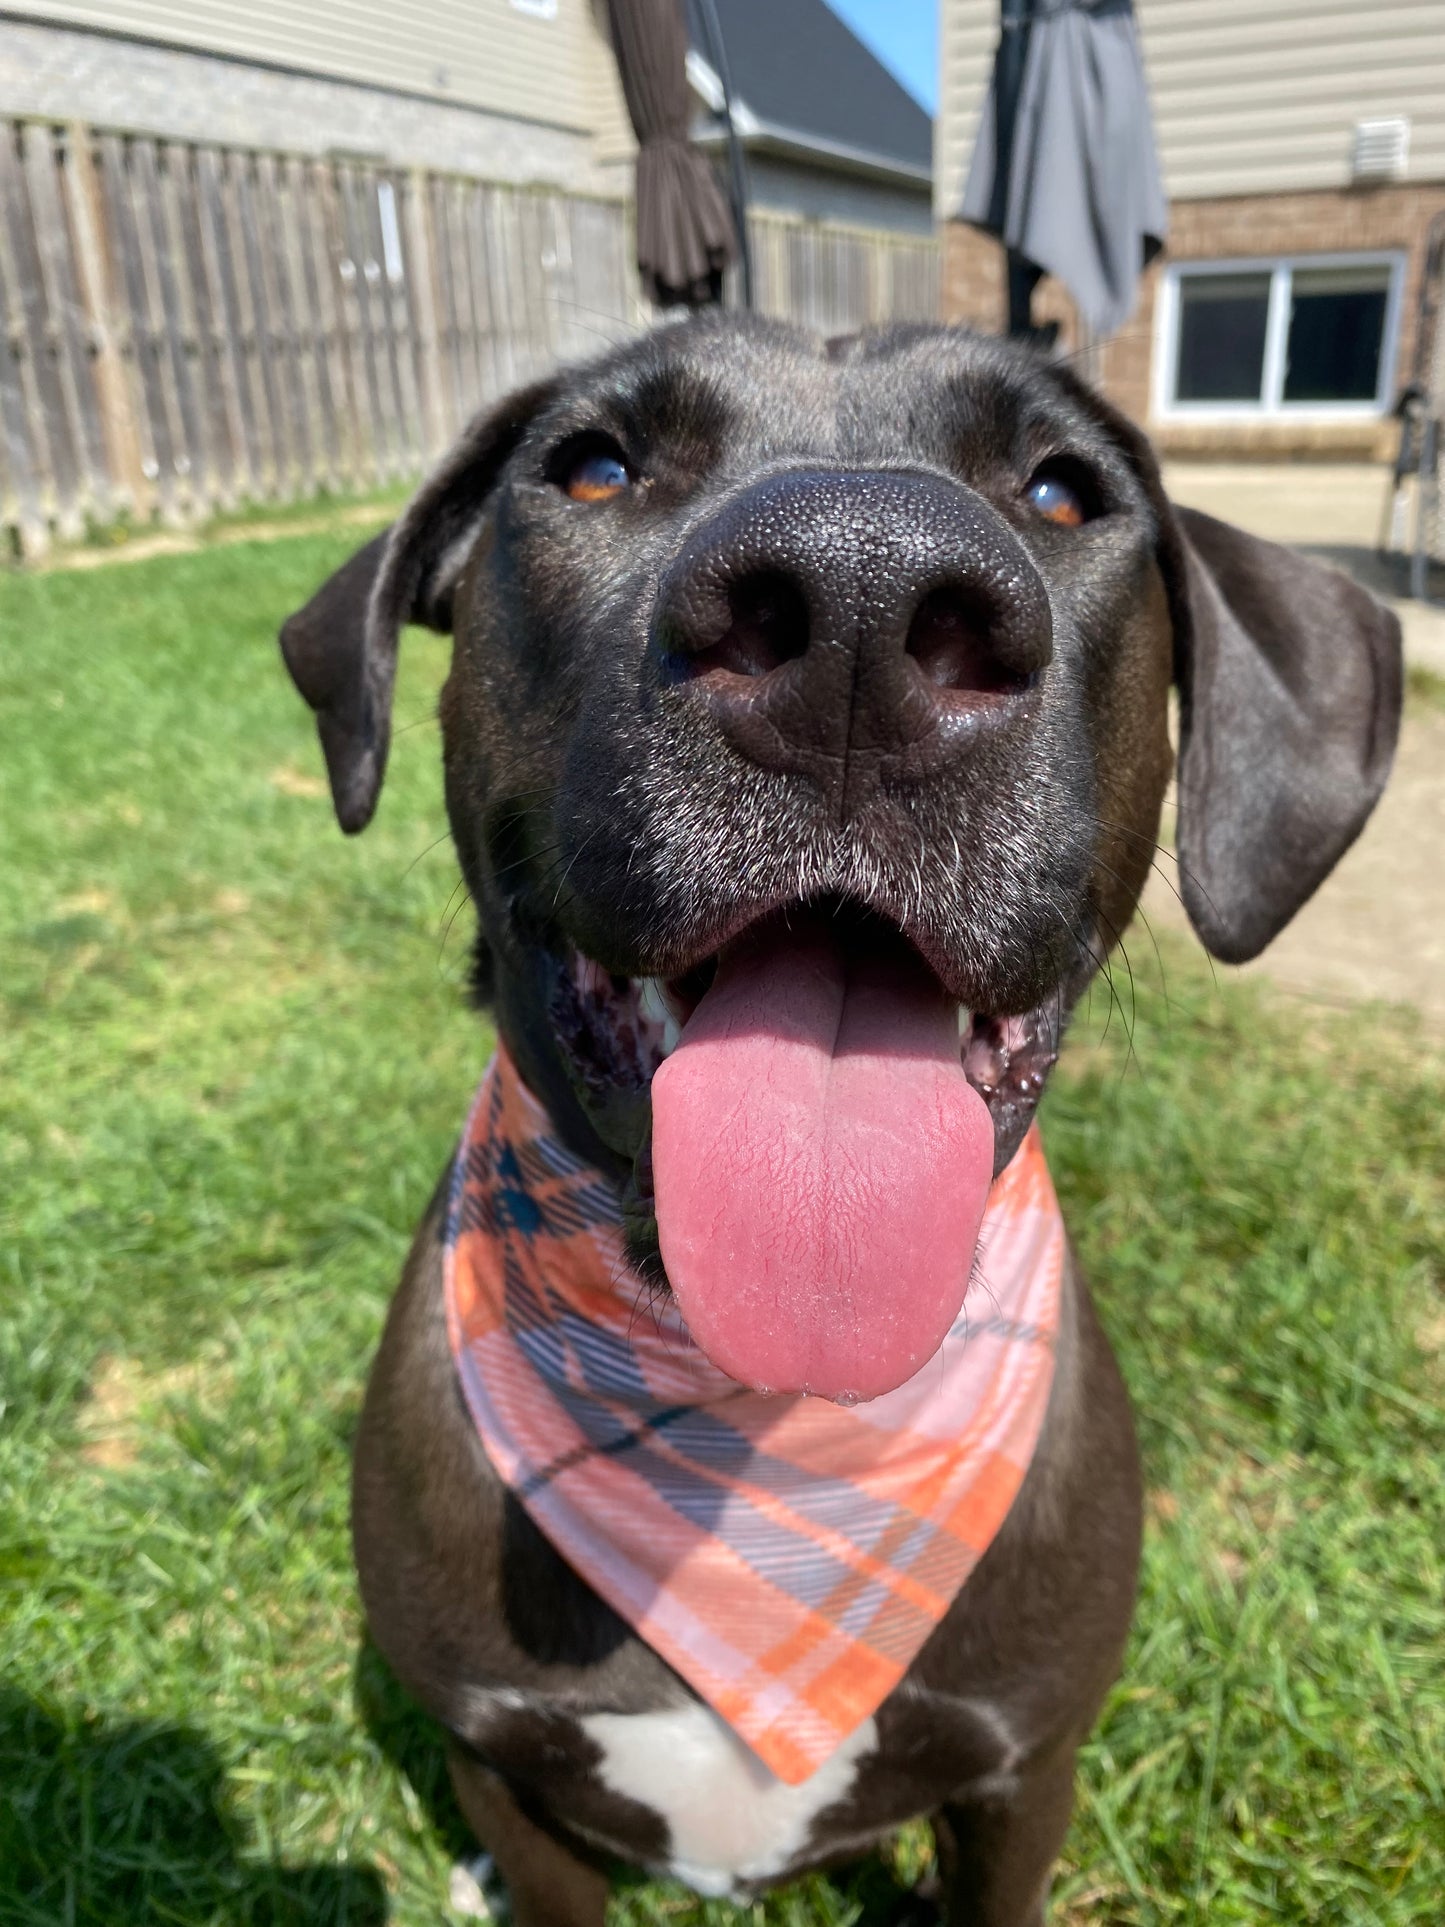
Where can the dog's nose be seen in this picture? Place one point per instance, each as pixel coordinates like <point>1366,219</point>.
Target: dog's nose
<point>855,626</point>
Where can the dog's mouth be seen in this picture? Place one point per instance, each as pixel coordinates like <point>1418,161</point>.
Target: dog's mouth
<point>826,1120</point>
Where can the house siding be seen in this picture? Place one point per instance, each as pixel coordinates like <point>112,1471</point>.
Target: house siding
<point>605,106</point>
<point>1391,220</point>
<point>487,54</point>
<point>813,194</point>
<point>968,34</point>
<point>1255,105</point>
<point>1264,227</point>
<point>57,74</point>
<point>1250,96</point>
<point>1254,98</point>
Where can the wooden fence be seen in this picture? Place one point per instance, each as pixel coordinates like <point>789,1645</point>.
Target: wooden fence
<point>836,279</point>
<point>187,328</point>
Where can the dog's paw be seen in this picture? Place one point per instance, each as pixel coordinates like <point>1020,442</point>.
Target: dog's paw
<point>473,1891</point>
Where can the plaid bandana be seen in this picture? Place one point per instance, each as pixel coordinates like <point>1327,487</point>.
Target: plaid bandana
<point>788,1557</point>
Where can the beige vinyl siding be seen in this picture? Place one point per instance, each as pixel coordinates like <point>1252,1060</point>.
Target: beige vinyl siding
<point>474,53</point>
<point>968,34</point>
<point>606,108</point>
<point>1255,98</point>
<point>1250,96</point>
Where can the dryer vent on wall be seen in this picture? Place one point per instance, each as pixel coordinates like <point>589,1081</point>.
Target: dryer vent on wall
<point>1382,147</point>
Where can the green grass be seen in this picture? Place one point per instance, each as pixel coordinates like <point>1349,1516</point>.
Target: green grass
<point>233,1057</point>
<point>1424,690</point>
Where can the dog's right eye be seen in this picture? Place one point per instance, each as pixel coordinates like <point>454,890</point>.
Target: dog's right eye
<point>593,470</point>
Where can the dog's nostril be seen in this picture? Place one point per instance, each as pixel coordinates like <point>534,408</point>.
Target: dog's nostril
<point>769,627</point>
<point>951,640</point>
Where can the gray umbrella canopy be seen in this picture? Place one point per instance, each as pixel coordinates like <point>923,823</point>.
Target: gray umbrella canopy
<point>685,233</point>
<point>1083,198</point>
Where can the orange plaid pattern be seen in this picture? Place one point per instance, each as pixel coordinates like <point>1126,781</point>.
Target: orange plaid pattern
<point>786,1556</point>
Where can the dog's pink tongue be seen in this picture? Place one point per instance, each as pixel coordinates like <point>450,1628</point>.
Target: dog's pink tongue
<point>821,1166</point>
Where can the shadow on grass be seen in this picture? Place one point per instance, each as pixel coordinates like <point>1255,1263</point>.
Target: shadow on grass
<point>414,1743</point>
<point>109,1824</point>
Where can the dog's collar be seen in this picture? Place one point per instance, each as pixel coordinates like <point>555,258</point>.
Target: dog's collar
<point>786,1556</point>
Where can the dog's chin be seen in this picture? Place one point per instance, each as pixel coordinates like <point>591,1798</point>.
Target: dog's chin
<point>615,1032</point>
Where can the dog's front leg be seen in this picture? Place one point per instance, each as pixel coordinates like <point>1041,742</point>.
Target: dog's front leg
<point>996,1854</point>
<point>547,1885</point>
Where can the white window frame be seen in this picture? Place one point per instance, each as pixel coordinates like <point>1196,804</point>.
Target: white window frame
<point>1272,406</point>
<point>539,9</point>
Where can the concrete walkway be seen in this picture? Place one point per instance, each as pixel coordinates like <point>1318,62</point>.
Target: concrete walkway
<point>1329,510</point>
<point>1376,927</point>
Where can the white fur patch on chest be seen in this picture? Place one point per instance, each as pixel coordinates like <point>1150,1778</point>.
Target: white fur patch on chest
<point>729,1818</point>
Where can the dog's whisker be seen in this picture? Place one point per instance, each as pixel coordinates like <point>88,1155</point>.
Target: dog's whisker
<point>1139,915</point>
<point>435,844</point>
<point>463,901</point>
<point>428,721</point>
<point>1158,868</point>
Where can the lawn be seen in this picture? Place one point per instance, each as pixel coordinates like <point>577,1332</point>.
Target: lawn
<point>234,1055</point>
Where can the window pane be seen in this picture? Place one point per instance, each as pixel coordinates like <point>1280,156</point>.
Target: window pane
<point>1336,332</point>
<point>1222,320</point>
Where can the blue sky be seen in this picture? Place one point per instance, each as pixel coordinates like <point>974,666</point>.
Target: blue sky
<point>904,35</point>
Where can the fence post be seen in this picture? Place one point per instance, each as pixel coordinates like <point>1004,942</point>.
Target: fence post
<point>421,274</point>
<point>124,459</point>
<point>34,459</point>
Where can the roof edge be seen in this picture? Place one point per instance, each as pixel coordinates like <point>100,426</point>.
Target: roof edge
<point>768,137</point>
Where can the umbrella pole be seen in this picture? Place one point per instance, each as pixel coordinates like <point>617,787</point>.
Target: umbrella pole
<point>717,55</point>
<point>1015,17</point>
<point>1023,278</point>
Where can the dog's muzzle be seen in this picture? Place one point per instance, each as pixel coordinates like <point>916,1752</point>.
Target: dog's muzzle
<point>854,627</point>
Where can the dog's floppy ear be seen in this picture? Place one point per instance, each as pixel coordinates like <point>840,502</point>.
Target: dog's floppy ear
<point>341,648</point>
<point>1290,680</point>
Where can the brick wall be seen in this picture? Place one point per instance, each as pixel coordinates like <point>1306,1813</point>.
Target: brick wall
<point>1329,221</point>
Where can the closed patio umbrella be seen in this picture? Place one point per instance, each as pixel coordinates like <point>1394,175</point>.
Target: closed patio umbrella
<point>1066,171</point>
<point>685,235</point>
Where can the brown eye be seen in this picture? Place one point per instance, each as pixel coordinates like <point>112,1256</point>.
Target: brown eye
<point>1056,501</point>
<point>593,473</point>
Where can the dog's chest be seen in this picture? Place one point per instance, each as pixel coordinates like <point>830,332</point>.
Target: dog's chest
<point>730,1821</point>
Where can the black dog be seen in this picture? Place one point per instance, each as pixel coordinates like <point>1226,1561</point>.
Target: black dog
<point>746,621</point>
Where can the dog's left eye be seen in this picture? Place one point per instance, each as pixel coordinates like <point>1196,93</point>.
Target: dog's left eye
<point>1057,500</point>
<point>593,471</point>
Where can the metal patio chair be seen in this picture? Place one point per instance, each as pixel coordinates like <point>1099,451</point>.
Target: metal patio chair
<point>1421,414</point>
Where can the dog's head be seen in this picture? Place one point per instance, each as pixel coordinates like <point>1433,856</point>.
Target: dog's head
<point>813,698</point>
